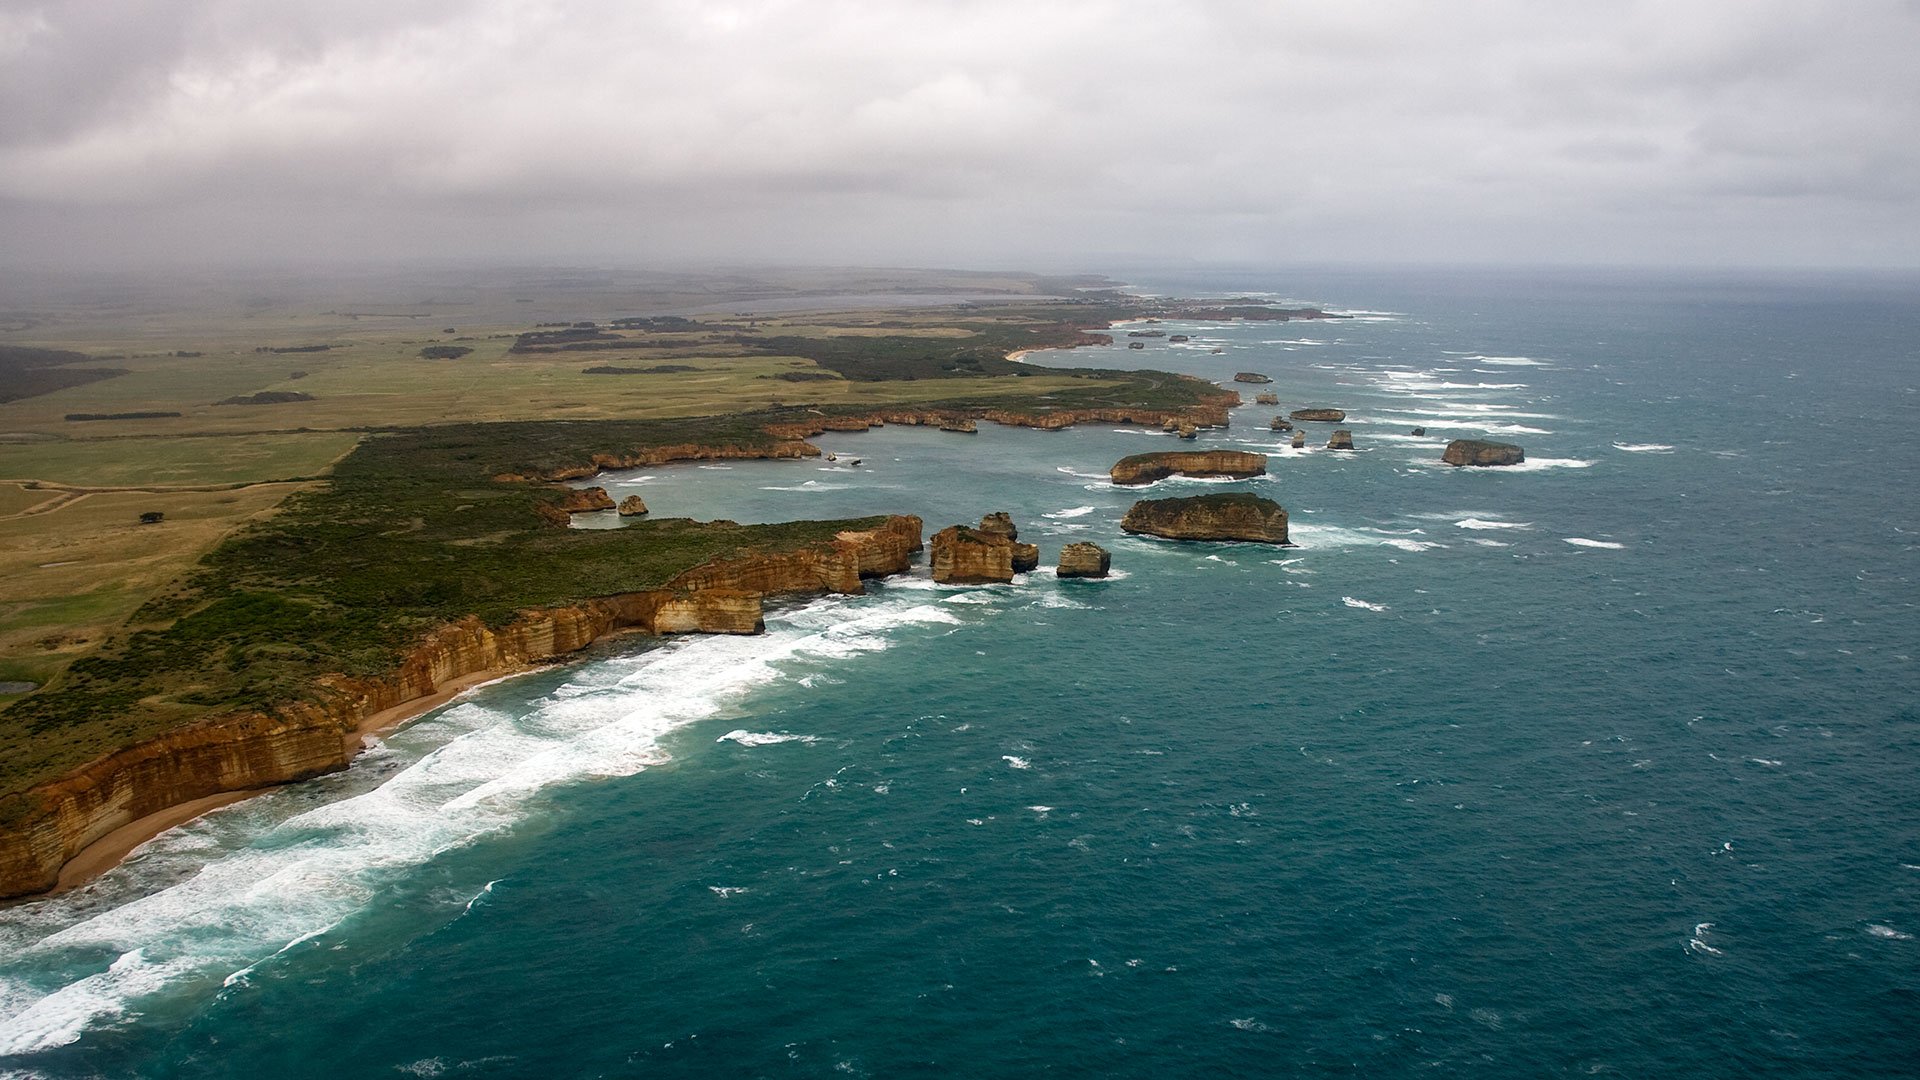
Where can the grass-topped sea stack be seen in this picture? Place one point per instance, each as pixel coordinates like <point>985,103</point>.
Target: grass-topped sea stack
<point>1231,516</point>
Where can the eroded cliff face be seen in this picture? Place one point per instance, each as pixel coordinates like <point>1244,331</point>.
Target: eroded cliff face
<point>1482,453</point>
<point>964,556</point>
<point>1146,468</point>
<point>1211,414</point>
<point>1233,516</point>
<point>43,827</point>
<point>661,455</point>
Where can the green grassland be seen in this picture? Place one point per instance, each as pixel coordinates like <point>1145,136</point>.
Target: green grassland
<point>174,462</point>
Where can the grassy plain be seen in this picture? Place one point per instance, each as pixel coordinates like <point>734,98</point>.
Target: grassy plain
<point>175,461</point>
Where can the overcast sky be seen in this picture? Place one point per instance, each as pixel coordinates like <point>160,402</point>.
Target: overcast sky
<point>1056,134</point>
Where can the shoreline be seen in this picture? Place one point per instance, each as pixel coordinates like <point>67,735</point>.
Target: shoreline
<point>114,848</point>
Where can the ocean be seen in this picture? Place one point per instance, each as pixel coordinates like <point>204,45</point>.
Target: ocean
<point>1606,764</point>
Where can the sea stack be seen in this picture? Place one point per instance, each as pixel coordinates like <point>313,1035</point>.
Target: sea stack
<point>1281,423</point>
<point>632,506</point>
<point>1340,440</point>
<point>964,556</point>
<point>1230,516</point>
<point>1000,523</point>
<point>1323,416</point>
<point>1266,398</point>
<point>1250,377</point>
<point>1420,431</point>
<point>1146,468</point>
<point>1479,452</point>
<point>1084,560</point>
<point>1299,440</point>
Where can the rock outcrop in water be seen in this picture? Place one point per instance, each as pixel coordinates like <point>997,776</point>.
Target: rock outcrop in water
<point>1084,560</point>
<point>48,824</point>
<point>1250,377</point>
<point>1340,440</point>
<point>966,556</point>
<point>1146,468</point>
<point>1480,452</point>
<point>1230,516</point>
<point>1267,398</point>
<point>1299,440</point>
<point>1322,416</point>
<point>1280,423</point>
<point>1026,557</point>
<point>632,506</point>
<point>1419,431</point>
<point>1000,523</point>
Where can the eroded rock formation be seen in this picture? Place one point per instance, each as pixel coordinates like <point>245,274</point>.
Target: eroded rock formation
<point>1479,452</point>
<point>1146,468</point>
<point>1250,377</point>
<point>1340,440</point>
<point>632,506</point>
<point>965,556</point>
<point>1230,516</point>
<point>1000,523</point>
<point>582,500</point>
<point>1267,398</point>
<point>1084,560</point>
<point>1324,416</point>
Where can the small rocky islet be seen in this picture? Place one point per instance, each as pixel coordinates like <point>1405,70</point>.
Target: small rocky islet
<point>1227,516</point>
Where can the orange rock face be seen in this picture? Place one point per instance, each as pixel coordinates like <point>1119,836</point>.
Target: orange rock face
<point>964,556</point>
<point>1146,468</point>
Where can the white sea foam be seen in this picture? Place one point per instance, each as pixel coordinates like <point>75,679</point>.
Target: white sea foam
<point>477,772</point>
<point>1356,603</point>
<point>1506,361</point>
<point>1489,523</point>
<point>1072,512</point>
<point>1644,448</point>
<point>1070,471</point>
<point>1581,541</point>
<point>1016,762</point>
<point>1881,930</point>
<point>807,486</point>
<point>763,738</point>
<point>1411,545</point>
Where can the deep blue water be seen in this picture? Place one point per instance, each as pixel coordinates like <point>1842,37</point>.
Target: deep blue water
<point>1604,765</point>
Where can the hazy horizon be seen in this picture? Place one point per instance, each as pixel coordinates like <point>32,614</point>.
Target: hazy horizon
<point>209,132</point>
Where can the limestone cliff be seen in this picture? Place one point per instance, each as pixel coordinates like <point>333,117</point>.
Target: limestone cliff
<point>44,826</point>
<point>1478,452</point>
<point>661,455</point>
<point>1231,516</point>
<point>1000,522</point>
<point>1084,560</point>
<point>1146,468</point>
<point>964,556</point>
<point>582,500</point>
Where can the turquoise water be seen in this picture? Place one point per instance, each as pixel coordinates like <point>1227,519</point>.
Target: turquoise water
<point>1603,765</point>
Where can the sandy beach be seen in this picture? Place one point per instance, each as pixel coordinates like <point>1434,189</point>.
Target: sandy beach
<point>107,852</point>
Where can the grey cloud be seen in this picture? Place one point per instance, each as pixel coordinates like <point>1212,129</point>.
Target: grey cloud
<point>942,132</point>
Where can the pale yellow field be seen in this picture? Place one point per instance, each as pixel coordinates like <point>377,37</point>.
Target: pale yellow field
<point>70,575</point>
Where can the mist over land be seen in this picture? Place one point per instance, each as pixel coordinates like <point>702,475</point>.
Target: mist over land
<point>1074,136</point>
